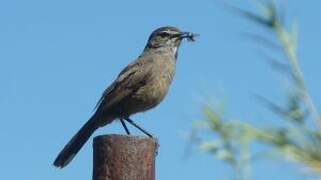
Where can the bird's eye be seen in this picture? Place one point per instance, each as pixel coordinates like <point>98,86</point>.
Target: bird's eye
<point>164,34</point>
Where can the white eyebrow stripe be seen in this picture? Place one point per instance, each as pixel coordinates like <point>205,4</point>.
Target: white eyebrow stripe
<point>170,32</point>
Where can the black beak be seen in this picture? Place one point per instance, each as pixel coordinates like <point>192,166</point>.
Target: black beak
<point>188,35</point>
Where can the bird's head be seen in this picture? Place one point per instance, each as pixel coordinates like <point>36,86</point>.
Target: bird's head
<point>168,36</point>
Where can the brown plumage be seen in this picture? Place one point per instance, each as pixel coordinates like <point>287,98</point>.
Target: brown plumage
<point>139,87</point>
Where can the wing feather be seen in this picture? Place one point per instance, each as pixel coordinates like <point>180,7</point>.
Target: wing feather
<point>130,79</point>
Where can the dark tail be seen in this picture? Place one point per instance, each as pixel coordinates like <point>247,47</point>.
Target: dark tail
<point>75,144</point>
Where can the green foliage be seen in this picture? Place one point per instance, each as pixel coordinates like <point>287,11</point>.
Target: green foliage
<point>296,141</point>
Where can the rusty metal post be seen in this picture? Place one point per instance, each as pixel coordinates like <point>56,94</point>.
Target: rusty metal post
<point>122,157</point>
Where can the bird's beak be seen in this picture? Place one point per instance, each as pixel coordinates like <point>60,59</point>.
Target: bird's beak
<point>188,35</point>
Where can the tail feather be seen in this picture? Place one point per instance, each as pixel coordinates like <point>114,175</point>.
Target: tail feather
<point>75,144</point>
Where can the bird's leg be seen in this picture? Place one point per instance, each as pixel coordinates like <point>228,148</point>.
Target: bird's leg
<point>124,125</point>
<point>138,127</point>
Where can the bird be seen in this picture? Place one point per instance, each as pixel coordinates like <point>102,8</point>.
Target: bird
<point>139,87</point>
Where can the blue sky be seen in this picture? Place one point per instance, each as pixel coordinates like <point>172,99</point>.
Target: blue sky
<point>56,58</point>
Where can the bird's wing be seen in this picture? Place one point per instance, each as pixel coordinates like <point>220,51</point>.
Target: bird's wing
<point>130,79</point>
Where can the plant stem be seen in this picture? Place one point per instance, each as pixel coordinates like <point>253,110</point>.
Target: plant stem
<point>290,50</point>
